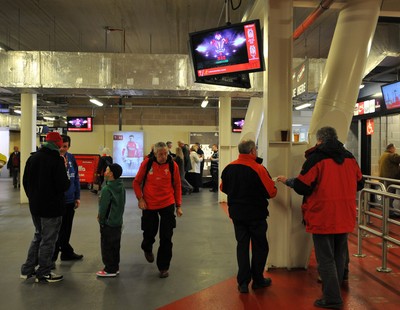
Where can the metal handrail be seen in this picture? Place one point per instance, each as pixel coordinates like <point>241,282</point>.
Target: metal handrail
<point>364,213</point>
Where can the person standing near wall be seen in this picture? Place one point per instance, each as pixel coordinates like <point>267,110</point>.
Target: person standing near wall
<point>14,163</point>
<point>214,168</point>
<point>249,186</point>
<point>329,181</point>
<point>389,168</point>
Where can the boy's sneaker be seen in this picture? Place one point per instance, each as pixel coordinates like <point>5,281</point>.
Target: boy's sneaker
<point>49,278</point>
<point>105,274</point>
<point>27,276</point>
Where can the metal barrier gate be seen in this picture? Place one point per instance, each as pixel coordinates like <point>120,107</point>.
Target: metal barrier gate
<point>383,204</point>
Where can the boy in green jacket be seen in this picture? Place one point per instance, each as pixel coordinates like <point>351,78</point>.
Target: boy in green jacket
<point>111,211</point>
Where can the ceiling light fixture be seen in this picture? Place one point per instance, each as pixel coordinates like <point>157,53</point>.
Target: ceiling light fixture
<point>204,102</point>
<point>362,86</point>
<point>17,111</point>
<point>96,102</point>
<point>49,118</point>
<point>303,106</point>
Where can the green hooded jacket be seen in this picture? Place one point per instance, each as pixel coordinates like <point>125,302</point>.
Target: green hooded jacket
<point>112,203</point>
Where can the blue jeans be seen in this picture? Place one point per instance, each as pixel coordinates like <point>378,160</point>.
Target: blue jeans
<point>42,246</point>
<point>331,253</point>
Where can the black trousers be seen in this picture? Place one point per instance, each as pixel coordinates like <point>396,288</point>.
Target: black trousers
<point>214,176</point>
<point>62,244</point>
<point>110,243</point>
<point>256,232</point>
<point>151,220</point>
<point>331,253</point>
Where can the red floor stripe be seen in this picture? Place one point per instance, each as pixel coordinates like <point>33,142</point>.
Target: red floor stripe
<point>297,289</point>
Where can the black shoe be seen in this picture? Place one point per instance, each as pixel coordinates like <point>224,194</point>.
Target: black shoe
<point>72,256</point>
<point>50,278</point>
<point>164,274</point>
<point>149,256</point>
<point>321,303</point>
<point>243,288</point>
<point>260,284</point>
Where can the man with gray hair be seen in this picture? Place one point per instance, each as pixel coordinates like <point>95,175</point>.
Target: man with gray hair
<point>157,187</point>
<point>329,180</point>
<point>249,186</point>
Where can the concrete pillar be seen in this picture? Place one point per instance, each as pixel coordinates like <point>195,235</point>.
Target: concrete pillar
<point>344,68</point>
<point>225,148</point>
<point>286,235</point>
<point>28,133</point>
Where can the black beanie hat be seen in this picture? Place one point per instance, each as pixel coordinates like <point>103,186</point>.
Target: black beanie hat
<point>116,170</point>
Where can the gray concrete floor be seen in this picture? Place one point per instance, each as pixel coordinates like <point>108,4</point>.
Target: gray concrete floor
<point>203,255</point>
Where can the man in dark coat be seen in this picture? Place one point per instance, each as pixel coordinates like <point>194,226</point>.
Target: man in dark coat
<point>14,165</point>
<point>45,180</point>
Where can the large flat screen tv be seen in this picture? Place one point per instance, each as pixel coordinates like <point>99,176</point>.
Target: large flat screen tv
<point>229,49</point>
<point>391,95</point>
<point>79,123</point>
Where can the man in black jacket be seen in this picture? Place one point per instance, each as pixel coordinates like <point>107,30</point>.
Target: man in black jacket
<point>45,180</point>
<point>249,186</point>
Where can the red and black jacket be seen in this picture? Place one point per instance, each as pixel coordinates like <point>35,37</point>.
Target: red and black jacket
<point>248,186</point>
<point>329,181</point>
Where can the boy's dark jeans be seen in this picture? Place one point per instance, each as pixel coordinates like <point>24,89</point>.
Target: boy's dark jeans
<point>110,247</point>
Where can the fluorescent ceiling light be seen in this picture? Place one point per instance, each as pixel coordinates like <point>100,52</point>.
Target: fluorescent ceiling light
<point>96,102</point>
<point>303,106</point>
<point>362,86</point>
<point>17,111</point>
<point>49,118</point>
<point>297,125</point>
<point>204,103</point>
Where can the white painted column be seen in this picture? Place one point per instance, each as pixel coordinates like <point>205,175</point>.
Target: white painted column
<point>253,120</point>
<point>225,148</point>
<point>28,133</point>
<point>289,244</point>
<point>344,68</point>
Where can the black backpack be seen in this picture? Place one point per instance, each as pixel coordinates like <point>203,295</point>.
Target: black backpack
<point>170,162</point>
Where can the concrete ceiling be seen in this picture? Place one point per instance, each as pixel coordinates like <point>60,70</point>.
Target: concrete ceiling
<point>145,26</point>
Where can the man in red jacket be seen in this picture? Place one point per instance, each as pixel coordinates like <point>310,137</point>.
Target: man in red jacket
<point>329,180</point>
<point>159,194</point>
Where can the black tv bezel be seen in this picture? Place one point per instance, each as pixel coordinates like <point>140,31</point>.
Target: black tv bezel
<point>75,129</point>
<point>389,110</point>
<point>200,79</point>
<point>239,80</point>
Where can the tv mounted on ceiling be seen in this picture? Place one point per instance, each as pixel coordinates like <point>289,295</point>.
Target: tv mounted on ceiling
<point>237,124</point>
<point>79,123</point>
<point>230,49</point>
<point>391,95</point>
